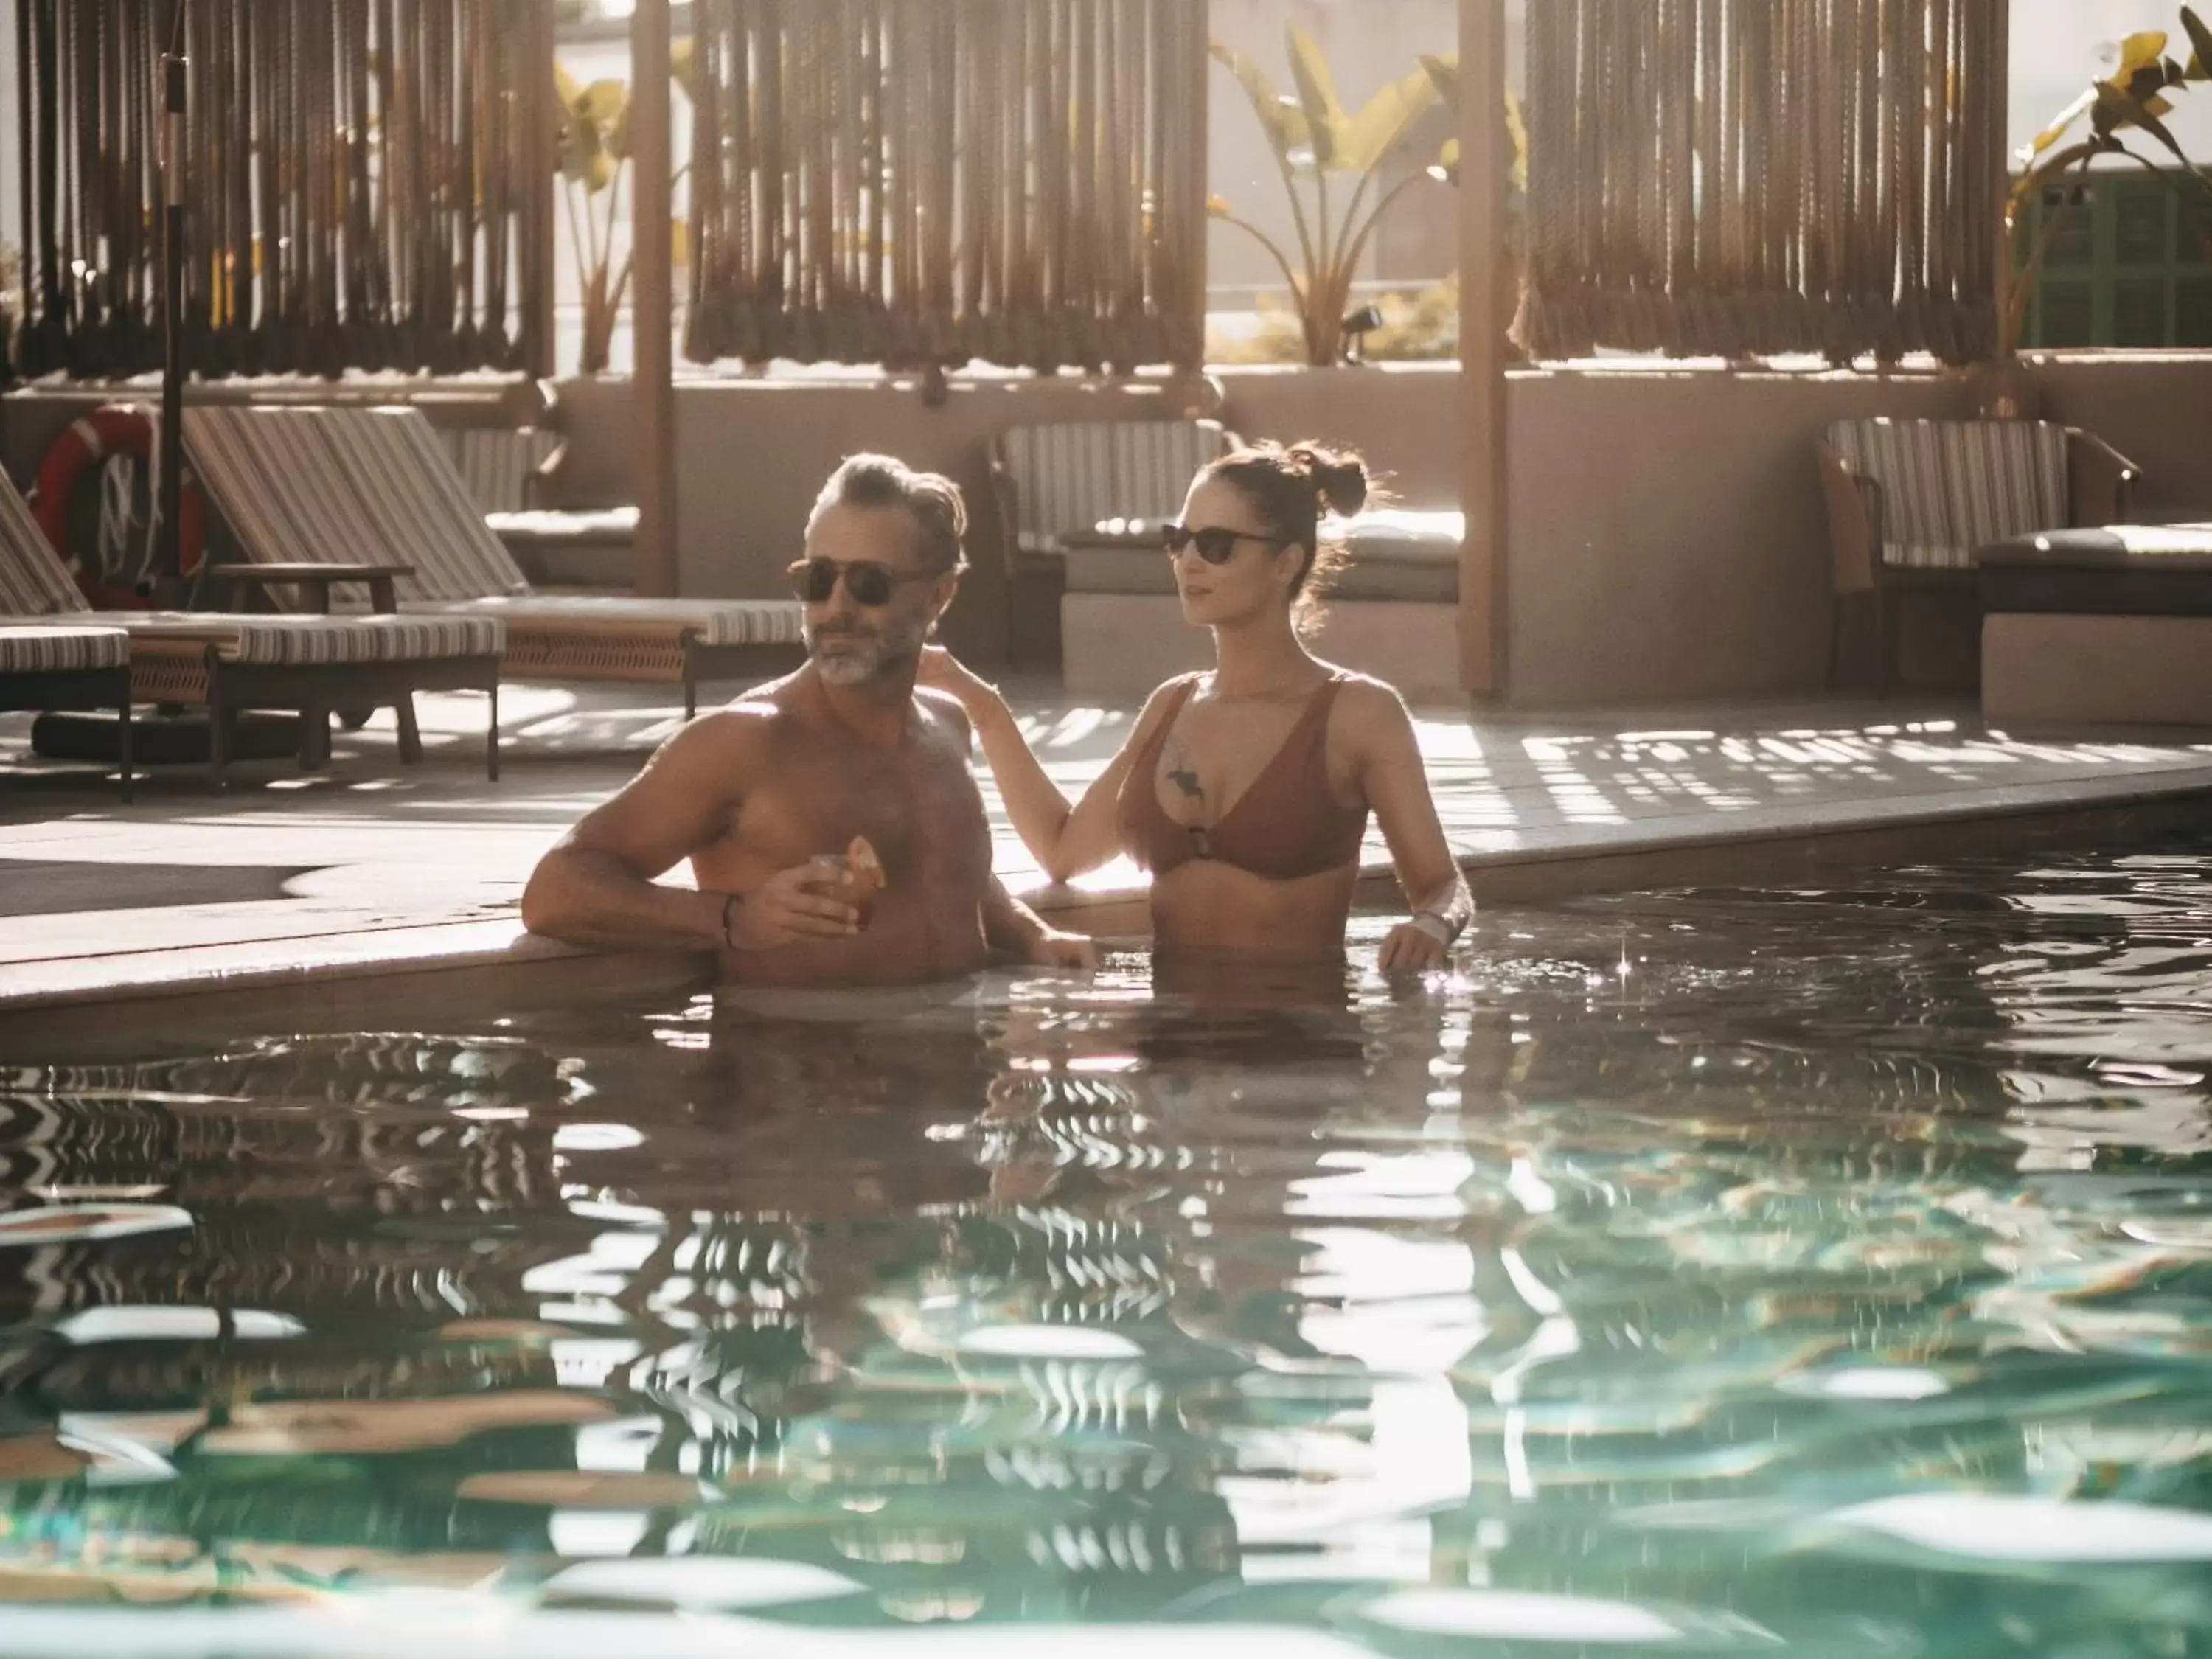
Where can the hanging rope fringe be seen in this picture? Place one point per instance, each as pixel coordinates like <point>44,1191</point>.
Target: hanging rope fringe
<point>1742,177</point>
<point>924,181</point>
<point>355,188</point>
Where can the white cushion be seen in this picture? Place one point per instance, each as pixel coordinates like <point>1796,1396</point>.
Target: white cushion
<point>497,463</point>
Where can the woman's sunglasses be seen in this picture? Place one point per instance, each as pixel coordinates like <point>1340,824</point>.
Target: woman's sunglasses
<point>1216,543</point>
<point>871,584</point>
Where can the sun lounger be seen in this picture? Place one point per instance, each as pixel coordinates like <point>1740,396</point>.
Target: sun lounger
<point>372,485</point>
<point>62,666</point>
<point>512,474</point>
<point>1911,501</point>
<point>1056,482</point>
<point>2110,625</point>
<point>231,662</point>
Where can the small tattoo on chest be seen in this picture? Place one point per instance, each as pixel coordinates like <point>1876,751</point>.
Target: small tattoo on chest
<point>1181,775</point>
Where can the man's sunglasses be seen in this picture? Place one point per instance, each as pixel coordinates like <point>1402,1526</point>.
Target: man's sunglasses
<point>871,584</point>
<point>1216,543</point>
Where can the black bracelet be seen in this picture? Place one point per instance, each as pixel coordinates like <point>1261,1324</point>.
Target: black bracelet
<point>1451,933</point>
<point>728,901</point>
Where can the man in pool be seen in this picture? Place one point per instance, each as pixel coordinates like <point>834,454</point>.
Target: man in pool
<point>768,796</point>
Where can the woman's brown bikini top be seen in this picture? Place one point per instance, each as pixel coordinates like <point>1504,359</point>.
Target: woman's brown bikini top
<point>1284,826</point>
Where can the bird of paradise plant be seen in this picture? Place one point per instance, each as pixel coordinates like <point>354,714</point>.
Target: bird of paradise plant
<point>1444,71</point>
<point>2132,100</point>
<point>1314,139</point>
<point>593,154</point>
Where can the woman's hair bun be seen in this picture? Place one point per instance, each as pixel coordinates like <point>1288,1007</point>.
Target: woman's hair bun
<point>1339,476</point>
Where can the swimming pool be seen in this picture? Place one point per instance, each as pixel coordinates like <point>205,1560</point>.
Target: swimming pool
<point>1705,1272</point>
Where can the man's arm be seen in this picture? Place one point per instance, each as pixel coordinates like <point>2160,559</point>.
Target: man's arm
<point>1010,926</point>
<point>598,886</point>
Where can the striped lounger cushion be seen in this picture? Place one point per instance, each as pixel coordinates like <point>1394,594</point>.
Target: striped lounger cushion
<point>303,641</point>
<point>497,463</point>
<point>1067,477</point>
<point>1949,487</point>
<point>370,485</point>
<point>348,486</point>
<point>716,621</point>
<point>33,581</point>
<point>62,650</point>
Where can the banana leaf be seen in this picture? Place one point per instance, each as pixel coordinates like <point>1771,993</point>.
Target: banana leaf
<point>1281,117</point>
<point>1327,126</point>
<point>1382,122</point>
<point>2200,37</point>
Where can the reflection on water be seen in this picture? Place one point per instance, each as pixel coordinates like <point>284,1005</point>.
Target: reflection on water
<point>1693,1272</point>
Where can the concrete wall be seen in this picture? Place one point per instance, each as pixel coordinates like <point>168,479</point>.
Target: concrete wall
<point>752,456</point>
<point>2156,410</point>
<point>1665,532</point>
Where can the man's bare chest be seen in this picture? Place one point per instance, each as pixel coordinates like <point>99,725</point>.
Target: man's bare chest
<point>917,805</point>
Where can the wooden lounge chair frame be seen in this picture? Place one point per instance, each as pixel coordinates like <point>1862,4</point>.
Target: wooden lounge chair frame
<point>2100,487</point>
<point>174,660</point>
<point>352,513</point>
<point>40,690</point>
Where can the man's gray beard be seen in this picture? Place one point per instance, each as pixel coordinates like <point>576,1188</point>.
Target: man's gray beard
<point>875,654</point>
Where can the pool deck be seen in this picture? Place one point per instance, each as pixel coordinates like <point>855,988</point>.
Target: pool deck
<point>326,893</point>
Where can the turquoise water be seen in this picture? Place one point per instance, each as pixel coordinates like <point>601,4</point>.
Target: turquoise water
<point>1721,1272</point>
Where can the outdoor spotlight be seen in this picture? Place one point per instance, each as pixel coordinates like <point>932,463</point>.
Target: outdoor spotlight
<point>1359,325</point>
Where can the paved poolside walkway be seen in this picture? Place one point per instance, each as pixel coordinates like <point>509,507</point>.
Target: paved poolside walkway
<point>371,859</point>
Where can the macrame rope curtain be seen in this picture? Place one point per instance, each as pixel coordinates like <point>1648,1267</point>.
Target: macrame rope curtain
<point>1738,178</point>
<point>927,181</point>
<point>360,185</point>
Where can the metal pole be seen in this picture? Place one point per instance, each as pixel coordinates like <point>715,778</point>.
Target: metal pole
<point>652,305</point>
<point>1483,159</point>
<point>168,573</point>
<point>2001,92</point>
<point>539,160</point>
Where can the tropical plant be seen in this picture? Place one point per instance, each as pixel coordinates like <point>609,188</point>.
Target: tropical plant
<point>2133,100</point>
<point>1314,140</point>
<point>1444,72</point>
<point>593,155</point>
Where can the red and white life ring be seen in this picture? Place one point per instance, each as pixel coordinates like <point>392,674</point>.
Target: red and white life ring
<point>110,430</point>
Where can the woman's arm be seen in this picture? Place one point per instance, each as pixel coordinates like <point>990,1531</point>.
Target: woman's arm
<point>1396,784</point>
<point>1066,840</point>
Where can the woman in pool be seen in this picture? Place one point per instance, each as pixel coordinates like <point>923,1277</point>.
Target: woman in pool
<point>1246,791</point>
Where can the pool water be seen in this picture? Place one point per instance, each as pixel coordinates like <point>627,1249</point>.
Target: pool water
<point>1692,1272</point>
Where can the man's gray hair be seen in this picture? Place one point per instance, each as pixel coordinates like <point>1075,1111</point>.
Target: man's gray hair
<point>932,500</point>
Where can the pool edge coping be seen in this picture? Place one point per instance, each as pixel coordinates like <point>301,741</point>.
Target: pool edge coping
<point>496,961</point>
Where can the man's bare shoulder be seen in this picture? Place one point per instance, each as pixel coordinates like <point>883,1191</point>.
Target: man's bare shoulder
<point>777,696</point>
<point>726,740</point>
